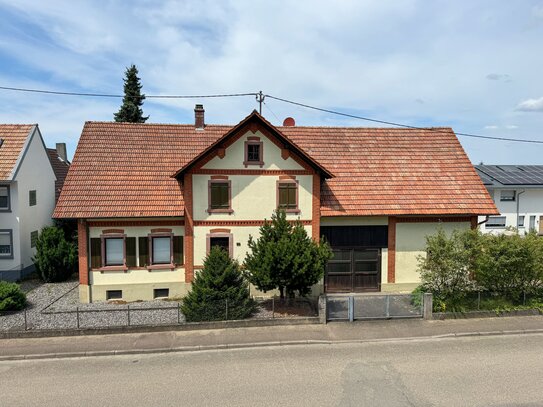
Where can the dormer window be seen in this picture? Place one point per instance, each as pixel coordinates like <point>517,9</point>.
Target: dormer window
<point>254,152</point>
<point>4,198</point>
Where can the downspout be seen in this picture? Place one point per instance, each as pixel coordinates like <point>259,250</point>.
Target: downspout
<point>518,205</point>
<point>483,221</point>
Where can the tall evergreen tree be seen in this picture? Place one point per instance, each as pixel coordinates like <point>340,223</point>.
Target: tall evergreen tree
<point>130,110</point>
<point>217,287</point>
<point>284,257</point>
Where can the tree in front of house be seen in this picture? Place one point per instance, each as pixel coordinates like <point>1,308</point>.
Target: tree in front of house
<point>56,257</point>
<point>284,257</point>
<point>219,291</point>
<point>131,111</point>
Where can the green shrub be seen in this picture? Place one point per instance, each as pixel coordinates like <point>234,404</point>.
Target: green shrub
<point>219,283</point>
<point>445,269</point>
<point>11,297</point>
<point>285,258</point>
<point>510,265</point>
<point>56,258</point>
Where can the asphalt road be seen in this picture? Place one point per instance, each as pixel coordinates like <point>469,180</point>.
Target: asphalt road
<point>475,371</point>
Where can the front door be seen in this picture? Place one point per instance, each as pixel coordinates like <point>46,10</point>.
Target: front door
<point>354,270</point>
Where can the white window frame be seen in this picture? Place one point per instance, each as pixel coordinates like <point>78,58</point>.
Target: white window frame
<point>8,207</point>
<point>496,225</point>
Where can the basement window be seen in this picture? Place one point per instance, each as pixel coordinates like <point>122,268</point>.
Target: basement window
<point>161,293</point>
<point>114,294</point>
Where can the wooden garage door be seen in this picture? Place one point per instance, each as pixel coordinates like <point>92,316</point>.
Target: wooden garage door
<point>354,270</point>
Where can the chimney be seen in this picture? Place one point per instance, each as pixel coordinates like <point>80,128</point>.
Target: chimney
<point>289,122</point>
<point>199,117</point>
<point>61,151</point>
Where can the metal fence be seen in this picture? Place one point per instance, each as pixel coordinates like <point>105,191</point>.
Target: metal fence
<point>115,315</point>
<point>381,306</point>
<point>483,300</point>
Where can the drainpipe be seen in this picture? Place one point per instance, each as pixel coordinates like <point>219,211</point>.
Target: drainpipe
<point>483,221</point>
<point>518,204</point>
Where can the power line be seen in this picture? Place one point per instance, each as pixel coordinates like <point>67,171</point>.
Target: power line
<point>400,124</point>
<point>105,95</point>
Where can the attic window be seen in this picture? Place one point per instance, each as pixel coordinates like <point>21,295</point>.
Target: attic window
<point>507,195</point>
<point>254,152</point>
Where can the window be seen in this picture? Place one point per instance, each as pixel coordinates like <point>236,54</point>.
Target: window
<point>219,196</point>
<point>507,195</point>
<point>253,152</point>
<point>114,251</point>
<point>32,197</point>
<point>4,198</point>
<point>223,240</point>
<point>532,223</point>
<point>6,244</point>
<point>161,293</point>
<point>33,238</point>
<point>496,222</point>
<point>287,196</point>
<point>114,294</point>
<point>521,221</point>
<point>161,250</point>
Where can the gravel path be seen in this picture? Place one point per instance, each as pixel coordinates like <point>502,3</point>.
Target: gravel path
<point>56,306</point>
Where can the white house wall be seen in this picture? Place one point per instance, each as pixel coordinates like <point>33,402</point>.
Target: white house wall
<point>35,173</point>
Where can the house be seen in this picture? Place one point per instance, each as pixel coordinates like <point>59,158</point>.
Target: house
<point>151,199</point>
<point>27,197</point>
<point>517,191</point>
<point>59,161</point>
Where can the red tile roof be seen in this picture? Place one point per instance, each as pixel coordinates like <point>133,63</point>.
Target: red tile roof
<point>60,168</point>
<point>124,170</point>
<point>14,137</point>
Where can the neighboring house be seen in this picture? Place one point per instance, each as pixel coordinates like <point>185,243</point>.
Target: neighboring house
<point>151,199</point>
<point>27,197</point>
<point>61,165</point>
<point>517,191</point>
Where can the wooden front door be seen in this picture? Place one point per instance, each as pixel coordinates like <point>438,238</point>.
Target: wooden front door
<point>354,270</point>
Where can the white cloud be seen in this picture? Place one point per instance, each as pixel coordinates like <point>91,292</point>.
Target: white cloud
<point>531,105</point>
<point>499,77</point>
<point>511,127</point>
<point>491,127</point>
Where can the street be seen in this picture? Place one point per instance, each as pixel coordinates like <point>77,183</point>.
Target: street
<point>473,371</point>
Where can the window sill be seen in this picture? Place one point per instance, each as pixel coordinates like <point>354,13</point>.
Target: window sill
<point>229,211</point>
<point>161,267</point>
<point>259,163</point>
<point>295,211</point>
<point>6,257</point>
<point>113,268</point>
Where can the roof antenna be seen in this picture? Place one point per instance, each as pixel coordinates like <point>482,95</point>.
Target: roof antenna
<point>260,99</point>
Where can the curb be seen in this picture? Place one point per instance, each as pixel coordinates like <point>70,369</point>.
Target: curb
<point>199,348</point>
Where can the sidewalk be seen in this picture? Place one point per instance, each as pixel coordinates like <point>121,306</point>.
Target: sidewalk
<point>171,341</point>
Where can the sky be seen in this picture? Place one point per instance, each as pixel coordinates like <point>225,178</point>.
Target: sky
<point>476,66</point>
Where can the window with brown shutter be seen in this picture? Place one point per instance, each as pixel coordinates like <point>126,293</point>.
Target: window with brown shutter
<point>219,196</point>
<point>178,250</point>
<point>131,252</point>
<point>143,246</point>
<point>287,196</point>
<point>96,253</point>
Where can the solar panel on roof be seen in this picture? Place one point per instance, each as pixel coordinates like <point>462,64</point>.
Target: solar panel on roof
<point>513,174</point>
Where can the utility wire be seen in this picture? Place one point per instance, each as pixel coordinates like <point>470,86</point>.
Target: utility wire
<point>225,95</point>
<point>400,124</point>
<point>105,95</point>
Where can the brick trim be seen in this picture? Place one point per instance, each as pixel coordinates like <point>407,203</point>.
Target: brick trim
<point>316,206</point>
<point>161,230</point>
<point>189,229</point>
<point>220,230</point>
<point>253,141</point>
<point>83,244</point>
<point>108,231</point>
<point>103,238</point>
<point>391,277</point>
<point>205,171</point>
<point>219,177</point>
<point>150,242</point>
<point>435,219</point>
<point>287,177</point>
<point>235,223</point>
<point>127,223</point>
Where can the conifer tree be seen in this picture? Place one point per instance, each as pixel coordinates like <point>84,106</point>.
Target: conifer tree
<point>219,291</point>
<point>130,111</point>
<point>285,258</point>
